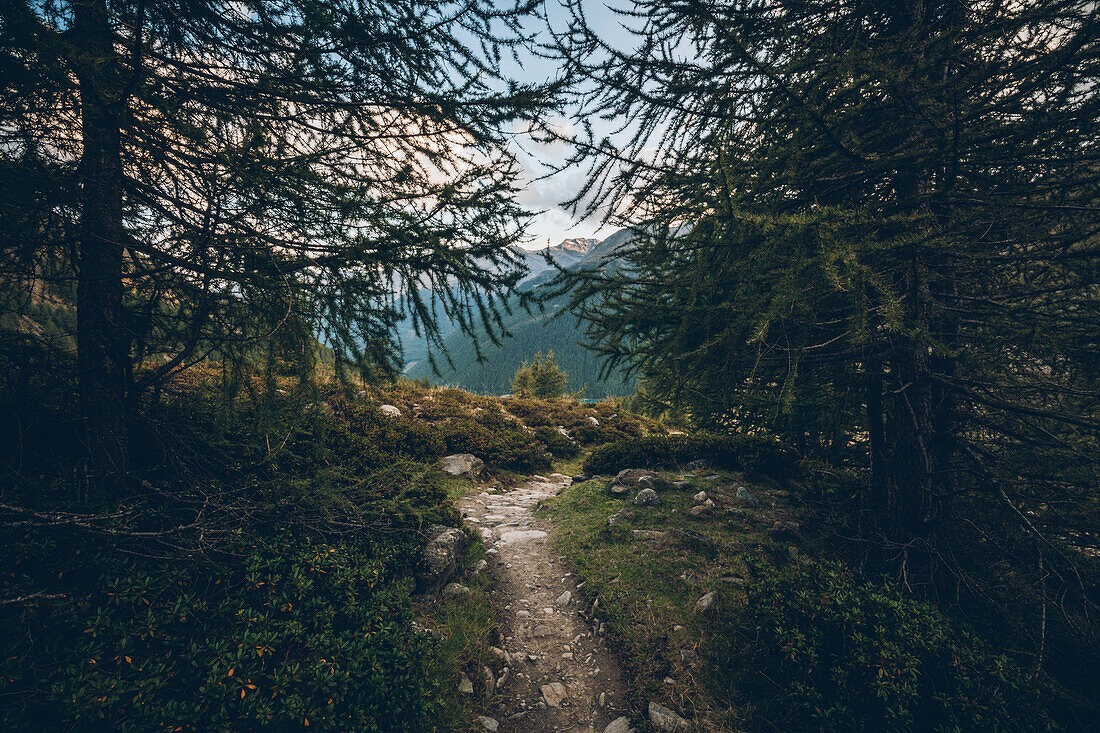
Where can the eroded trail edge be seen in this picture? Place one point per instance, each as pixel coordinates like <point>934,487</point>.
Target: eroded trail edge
<point>560,675</point>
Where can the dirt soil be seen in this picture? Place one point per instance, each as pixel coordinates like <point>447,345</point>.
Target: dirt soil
<point>560,675</point>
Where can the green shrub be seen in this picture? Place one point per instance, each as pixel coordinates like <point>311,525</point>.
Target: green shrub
<point>559,445</point>
<point>541,378</point>
<point>296,632</point>
<point>755,455</point>
<point>814,648</point>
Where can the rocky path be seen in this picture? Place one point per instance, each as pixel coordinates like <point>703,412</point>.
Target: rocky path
<point>559,674</point>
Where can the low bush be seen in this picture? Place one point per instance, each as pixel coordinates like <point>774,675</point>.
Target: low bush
<point>559,445</point>
<point>296,632</point>
<point>755,455</point>
<point>813,647</point>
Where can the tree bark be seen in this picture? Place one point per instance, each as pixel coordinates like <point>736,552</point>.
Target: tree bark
<point>103,359</point>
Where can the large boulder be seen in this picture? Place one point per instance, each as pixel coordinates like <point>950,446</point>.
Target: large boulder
<point>461,464</point>
<point>441,557</point>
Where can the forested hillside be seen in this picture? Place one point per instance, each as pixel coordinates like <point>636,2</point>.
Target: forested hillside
<point>548,327</point>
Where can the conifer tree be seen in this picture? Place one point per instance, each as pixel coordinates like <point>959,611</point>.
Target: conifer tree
<point>225,175</point>
<point>541,378</point>
<point>867,225</point>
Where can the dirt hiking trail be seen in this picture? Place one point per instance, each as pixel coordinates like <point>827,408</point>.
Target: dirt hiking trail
<point>559,674</point>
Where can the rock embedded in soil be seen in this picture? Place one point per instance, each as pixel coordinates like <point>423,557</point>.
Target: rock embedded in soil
<point>700,497</point>
<point>564,599</point>
<point>664,719</point>
<point>464,685</point>
<point>441,555</point>
<point>554,694</point>
<point>649,535</point>
<point>390,411</point>
<point>456,590</point>
<point>618,725</point>
<point>647,497</point>
<point>631,476</point>
<point>743,494</point>
<point>707,602</point>
<point>488,723</point>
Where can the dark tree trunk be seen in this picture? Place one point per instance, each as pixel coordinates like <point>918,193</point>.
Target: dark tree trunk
<point>103,359</point>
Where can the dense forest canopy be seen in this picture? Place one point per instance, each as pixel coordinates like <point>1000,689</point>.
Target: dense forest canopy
<point>221,178</point>
<point>870,228</point>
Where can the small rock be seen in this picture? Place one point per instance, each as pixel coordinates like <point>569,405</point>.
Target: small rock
<point>554,694</point>
<point>649,535</point>
<point>700,497</point>
<point>664,719</point>
<point>540,631</point>
<point>440,559</point>
<point>593,421</point>
<point>618,725</point>
<point>647,497</point>
<point>700,511</point>
<point>501,655</point>
<point>616,519</point>
<point>619,489</point>
<point>631,476</point>
<point>564,599</point>
<point>488,723</point>
<point>645,482</point>
<point>699,464</point>
<point>743,494</point>
<point>464,685</point>
<point>456,590</point>
<point>602,701</point>
<point>461,464</point>
<point>481,565</point>
<point>504,677</point>
<point>490,681</point>
<point>707,602</point>
<point>390,411</point>
<point>581,477</point>
<point>681,485</point>
<point>361,395</point>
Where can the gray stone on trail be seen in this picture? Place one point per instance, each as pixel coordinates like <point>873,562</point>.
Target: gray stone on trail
<point>618,725</point>
<point>456,590</point>
<point>390,411</point>
<point>707,602</point>
<point>504,677</point>
<point>501,655</point>
<point>521,535</point>
<point>554,694</point>
<point>564,599</point>
<point>481,565</point>
<point>441,555</point>
<point>461,464</point>
<point>647,497</point>
<point>464,685</point>
<point>488,723</point>
<point>540,631</point>
<point>743,494</point>
<point>664,719</point>
<point>700,497</point>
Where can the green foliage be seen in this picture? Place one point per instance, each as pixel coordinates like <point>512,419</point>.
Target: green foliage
<point>527,333</point>
<point>296,632</point>
<point>541,379</point>
<point>558,445</point>
<point>753,454</point>
<point>813,647</point>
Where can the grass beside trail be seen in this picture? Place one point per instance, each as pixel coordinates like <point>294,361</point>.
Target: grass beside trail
<point>647,589</point>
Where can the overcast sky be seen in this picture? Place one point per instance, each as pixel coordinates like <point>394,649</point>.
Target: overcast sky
<point>544,194</point>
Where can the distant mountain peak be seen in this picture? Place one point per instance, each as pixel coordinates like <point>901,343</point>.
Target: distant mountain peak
<point>580,245</point>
